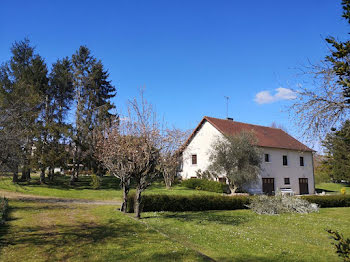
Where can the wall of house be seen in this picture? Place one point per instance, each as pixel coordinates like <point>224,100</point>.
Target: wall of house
<point>293,171</point>
<point>200,145</point>
<point>207,134</point>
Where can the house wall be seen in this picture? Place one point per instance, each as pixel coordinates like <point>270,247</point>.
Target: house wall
<point>207,134</point>
<point>200,145</point>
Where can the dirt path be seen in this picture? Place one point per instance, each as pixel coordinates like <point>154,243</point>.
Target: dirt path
<point>56,200</point>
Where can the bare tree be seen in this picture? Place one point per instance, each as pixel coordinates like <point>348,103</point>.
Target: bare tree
<point>321,104</point>
<point>238,158</point>
<point>130,149</point>
<point>170,155</point>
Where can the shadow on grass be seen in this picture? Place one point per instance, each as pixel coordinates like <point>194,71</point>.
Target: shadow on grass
<point>114,239</point>
<point>253,258</point>
<point>63,183</point>
<point>216,217</point>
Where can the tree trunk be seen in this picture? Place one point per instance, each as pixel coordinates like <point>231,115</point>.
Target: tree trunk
<point>42,176</point>
<point>126,188</point>
<point>137,207</point>
<point>15,175</point>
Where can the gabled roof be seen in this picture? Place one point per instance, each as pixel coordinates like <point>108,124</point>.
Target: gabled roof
<point>266,136</point>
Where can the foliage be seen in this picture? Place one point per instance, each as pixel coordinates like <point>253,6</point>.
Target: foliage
<point>322,170</point>
<point>95,181</point>
<point>329,200</point>
<point>3,209</point>
<point>279,204</point>
<point>238,158</point>
<point>343,191</point>
<point>337,145</point>
<point>205,184</point>
<point>93,91</point>
<point>177,203</point>
<point>342,245</point>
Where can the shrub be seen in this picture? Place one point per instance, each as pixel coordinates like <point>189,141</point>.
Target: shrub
<point>95,181</point>
<point>279,204</point>
<point>178,203</point>
<point>342,245</point>
<point>329,200</point>
<point>343,191</point>
<point>3,209</point>
<point>205,185</point>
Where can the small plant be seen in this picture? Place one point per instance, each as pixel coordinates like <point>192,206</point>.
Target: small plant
<point>279,204</point>
<point>342,245</point>
<point>95,181</point>
<point>343,191</point>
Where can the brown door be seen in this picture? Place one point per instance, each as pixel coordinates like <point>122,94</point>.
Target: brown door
<point>268,186</point>
<point>303,186</point>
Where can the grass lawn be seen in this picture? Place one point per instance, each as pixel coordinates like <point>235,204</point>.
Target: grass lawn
<point>332,188</point>
<point>241,235</point>
<point>109,190</point>
<point>54,232</point>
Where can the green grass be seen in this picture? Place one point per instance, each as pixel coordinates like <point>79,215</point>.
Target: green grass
<point>109,190</point>
<point>332,188</point>
<point>52,232</point>
<point>241,235</point>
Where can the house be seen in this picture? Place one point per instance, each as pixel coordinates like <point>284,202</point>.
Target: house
<point>286,162</point>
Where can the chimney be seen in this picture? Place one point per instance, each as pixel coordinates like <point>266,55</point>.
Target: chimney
<point>229,118</point>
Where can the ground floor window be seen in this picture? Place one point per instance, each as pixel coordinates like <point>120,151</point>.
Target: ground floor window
<point>286,181</point>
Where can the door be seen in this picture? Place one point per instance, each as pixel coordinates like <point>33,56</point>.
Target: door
<point>303,186</point>
<point>268,186</point>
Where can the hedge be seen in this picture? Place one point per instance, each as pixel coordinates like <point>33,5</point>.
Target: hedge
<point>206,185</point>
<point>3,209</point>
<point>188,203</point>
<point>329,200</point>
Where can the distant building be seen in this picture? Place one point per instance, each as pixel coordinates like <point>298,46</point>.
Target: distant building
<point>286,162</point>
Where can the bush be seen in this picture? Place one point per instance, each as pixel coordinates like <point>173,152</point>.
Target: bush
<point>206,185</point>
<point>3,209</point>
<point>95,181</point>
<point>343,190</point>
<point>280,204</point>
<point>330,200</point>
<point>188,203</point>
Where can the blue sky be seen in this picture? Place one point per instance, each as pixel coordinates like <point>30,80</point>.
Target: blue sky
<point>187,54</point>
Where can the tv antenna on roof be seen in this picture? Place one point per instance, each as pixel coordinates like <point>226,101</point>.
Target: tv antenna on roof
<point>227,98</point>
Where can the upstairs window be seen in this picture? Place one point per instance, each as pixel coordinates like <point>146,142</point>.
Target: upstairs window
<point>285,161</point>
<point>286,181</point>
<point>301,161</point>
<point>267,158</point>
<point>194,159</point>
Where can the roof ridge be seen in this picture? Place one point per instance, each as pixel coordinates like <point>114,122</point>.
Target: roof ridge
<point>245,123</point>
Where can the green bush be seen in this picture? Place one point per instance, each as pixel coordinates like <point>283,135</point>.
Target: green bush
<point>95,181</point>
<point>3,209</point>
<point>330,200</point>
<point>178,203</point>
<point>206,185</point>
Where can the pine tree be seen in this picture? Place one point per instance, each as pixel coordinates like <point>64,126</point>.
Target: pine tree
<point>93,92</point>
<point>337,145</point>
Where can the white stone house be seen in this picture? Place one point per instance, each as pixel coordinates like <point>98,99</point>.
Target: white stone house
<point>286,162</point>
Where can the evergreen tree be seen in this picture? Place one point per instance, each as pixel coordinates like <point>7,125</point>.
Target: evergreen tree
<point>93,92</point>
<point>337,145</point>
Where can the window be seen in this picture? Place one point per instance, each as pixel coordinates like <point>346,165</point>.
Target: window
<point>194,159</point>
<point>286,181</point>
<point>301,161</point>
<point>267,158</point>
<point>285,161</point>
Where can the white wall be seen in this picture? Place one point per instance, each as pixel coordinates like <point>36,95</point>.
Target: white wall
<point>294,171</point>
<point>207,134</point>
<point>200,146</point>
